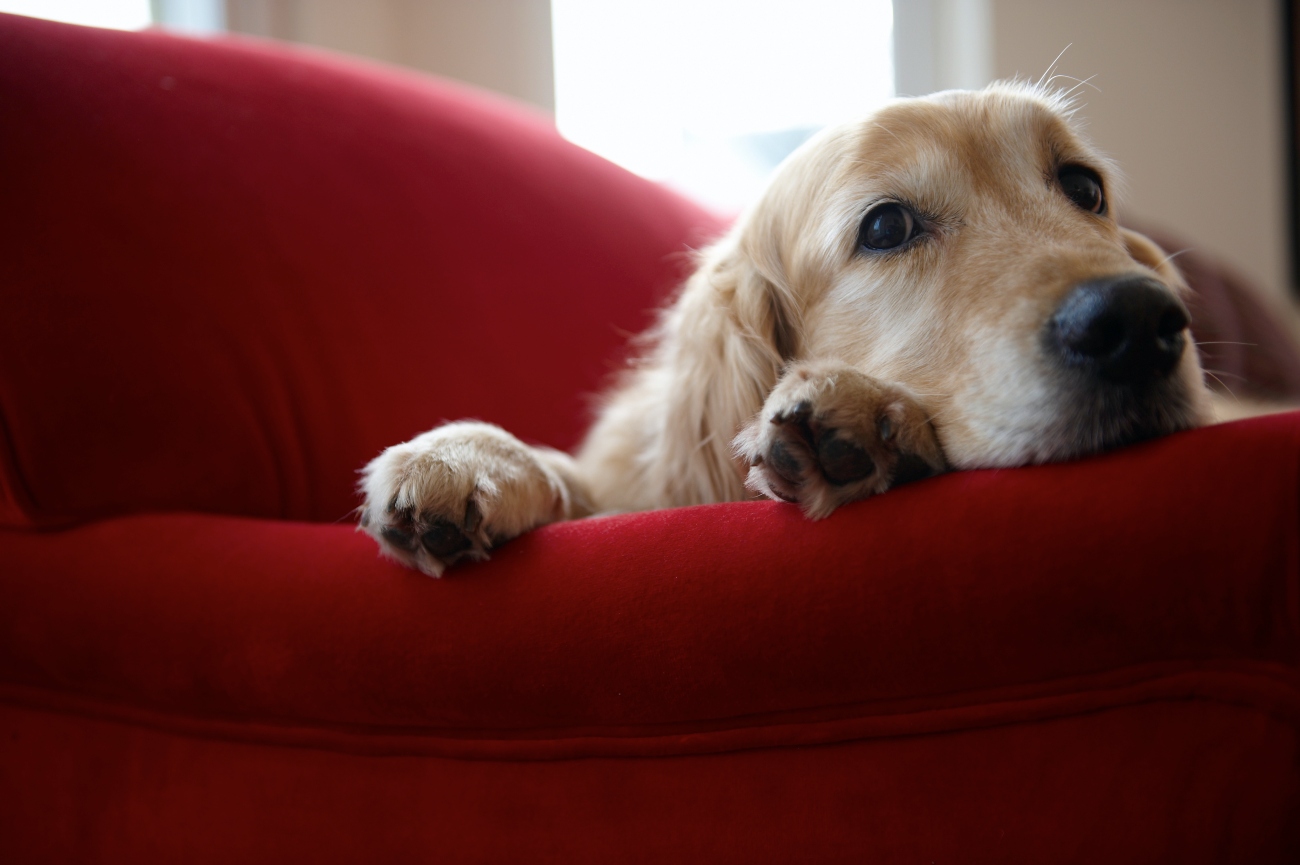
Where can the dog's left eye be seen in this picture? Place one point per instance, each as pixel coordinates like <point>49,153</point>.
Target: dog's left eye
<point>887,227</point>
<point>1083,187</point>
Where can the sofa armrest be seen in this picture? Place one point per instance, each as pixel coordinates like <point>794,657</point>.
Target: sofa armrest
<point>232,273</point>
<point>1166,571</point>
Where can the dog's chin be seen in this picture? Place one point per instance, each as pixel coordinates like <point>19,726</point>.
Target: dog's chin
<point>1092,418</point>
<point>1085,419</point>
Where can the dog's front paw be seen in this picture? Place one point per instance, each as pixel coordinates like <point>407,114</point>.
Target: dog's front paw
<point>455,492</point>
<point>829,434</point>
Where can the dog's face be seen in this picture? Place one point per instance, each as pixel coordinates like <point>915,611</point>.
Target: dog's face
<point>966,245</point>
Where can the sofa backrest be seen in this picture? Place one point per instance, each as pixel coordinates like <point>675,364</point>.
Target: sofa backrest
<point>231,273</point>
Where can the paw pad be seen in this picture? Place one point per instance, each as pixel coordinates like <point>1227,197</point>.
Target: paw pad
<point>843,461</point>
<point>444,540</point>
<point>829,435</point>
<point>399,538</point>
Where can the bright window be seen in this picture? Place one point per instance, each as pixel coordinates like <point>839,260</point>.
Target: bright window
<point>118,14</point>
<point>709,95</point>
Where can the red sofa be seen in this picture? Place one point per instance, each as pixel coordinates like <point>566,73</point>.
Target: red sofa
<point>232,273</point>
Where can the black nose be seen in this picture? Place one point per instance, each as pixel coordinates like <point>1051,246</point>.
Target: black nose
<point>1126,329</point>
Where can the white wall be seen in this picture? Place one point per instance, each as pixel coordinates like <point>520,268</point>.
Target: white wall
<point>942,45</point>
<point>1191,105</point>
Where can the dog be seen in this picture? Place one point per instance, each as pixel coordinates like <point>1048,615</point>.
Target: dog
<point>942,285</point>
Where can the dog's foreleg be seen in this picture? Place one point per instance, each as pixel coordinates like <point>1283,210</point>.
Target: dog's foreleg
<point>829,434</point>
<point>455,492</point>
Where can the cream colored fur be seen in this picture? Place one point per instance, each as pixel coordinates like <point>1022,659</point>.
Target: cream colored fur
<point>927,358</point>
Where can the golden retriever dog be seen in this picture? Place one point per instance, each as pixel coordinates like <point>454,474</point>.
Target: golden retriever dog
<point>942,285</point>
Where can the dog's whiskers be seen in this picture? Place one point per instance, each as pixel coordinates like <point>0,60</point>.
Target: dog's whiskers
<point>1228,374</point>
<point>1171,256</point>
<point>1223,385</point>
<point>1046,76</point>
<point>1081,82</point>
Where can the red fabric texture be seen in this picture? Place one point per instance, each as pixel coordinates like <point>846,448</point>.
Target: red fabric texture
<point>990,590</point>
<point>1084,662</point>
<point>1177,782</point>
<point>233,273</point>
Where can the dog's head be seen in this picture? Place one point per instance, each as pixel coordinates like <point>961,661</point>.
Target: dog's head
<point>966,246</point>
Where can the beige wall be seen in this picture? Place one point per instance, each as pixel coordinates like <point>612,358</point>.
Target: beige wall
<point>503,45</point>
<point>1191,105</point>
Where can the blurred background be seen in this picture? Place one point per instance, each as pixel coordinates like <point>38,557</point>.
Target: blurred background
<point>1190,96</point>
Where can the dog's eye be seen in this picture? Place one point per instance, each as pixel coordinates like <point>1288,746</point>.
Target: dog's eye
<point>886,227</point>
<point>1083,187</point>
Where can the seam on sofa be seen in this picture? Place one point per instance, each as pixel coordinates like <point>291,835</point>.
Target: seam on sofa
<point>1260,690</point>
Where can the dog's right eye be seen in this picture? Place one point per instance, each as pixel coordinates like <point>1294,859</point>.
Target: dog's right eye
<point>886,227</point>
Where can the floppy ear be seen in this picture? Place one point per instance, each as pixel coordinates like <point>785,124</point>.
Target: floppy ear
<point>717,353</point>
<point>1144,251</point>
<point>762,308</point>
<point>723,345</point>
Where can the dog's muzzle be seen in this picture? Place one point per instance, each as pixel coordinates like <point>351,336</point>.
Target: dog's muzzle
<point>1124,330</point>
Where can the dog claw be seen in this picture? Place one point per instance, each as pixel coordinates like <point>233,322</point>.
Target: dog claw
<point>796,414</point>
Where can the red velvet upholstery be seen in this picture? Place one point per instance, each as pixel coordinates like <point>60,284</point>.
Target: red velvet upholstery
<point>232,274</point>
